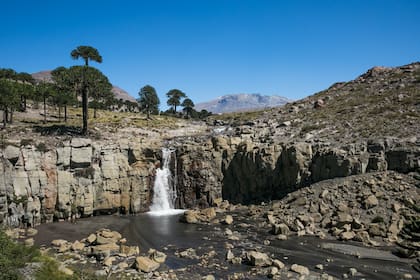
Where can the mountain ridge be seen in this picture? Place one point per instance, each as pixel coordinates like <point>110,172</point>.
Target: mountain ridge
<point>242,102</point>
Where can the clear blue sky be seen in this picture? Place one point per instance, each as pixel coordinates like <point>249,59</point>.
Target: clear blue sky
<point>209,48</point>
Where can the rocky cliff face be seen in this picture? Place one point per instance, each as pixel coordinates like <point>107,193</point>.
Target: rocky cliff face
<point>86,177</point>
<point>80,176</point>
<point>259,173</point>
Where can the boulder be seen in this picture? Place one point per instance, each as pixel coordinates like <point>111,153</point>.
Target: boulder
<point>208,214</point>
<point>228,220</point>
<point>108,261</point>
<point>91,238</point>
<point>58,242</point>
<point>146,265</point>
<point>347,235</point>
<point>280,229</point>
<point>107,236</point>
<point>189,217</point>
<point>279,264</point>
<point>130,250</point>
<point>272,271</point>
<point>105,250</point>
<point>157,256</point>
<point>370,202</point>
<point>12,153</point>
<point>300,269</point>
<point>229,255</point>
<point>258,259</point>
<point>77,246</point>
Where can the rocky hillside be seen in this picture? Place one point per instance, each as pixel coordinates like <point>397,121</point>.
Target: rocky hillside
<point>118,92</point>
<point>241,102</point>
<point>383,102</point>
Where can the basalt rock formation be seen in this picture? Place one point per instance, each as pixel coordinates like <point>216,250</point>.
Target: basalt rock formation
<point>80,177</point>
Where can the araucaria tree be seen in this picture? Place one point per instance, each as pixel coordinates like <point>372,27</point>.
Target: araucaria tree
<point>87,53</point>
<point>188,105</point>
<point>65,94</point>
<point>175,96</point>
<point>148,100</point>
<point>13,86</point>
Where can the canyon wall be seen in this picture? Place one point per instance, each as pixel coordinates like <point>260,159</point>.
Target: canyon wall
<point>79,177</point>
<point>262,172</point>
<point>86,177</point>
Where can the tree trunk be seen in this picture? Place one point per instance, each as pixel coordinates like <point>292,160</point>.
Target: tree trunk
<point>94,112</point>
<point>6,111</point>
<point>65,113</point>
<point>59,113</point>
<point>4,117</point>
<point>22,102</point>
<point>45,110</point>
<point>11,116</point>
<point>85,101</point>
<point>85,110</point>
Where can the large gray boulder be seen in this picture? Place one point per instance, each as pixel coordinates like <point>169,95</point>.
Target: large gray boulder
<point>12,153</point>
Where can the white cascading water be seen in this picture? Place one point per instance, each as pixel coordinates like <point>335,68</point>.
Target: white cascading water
<point>164,188</point>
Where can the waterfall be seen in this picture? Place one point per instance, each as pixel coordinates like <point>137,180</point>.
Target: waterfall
<point>164,188</point>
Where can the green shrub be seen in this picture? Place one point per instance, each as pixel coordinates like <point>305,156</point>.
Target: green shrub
<point>49,270</point>
<point>14,256</point>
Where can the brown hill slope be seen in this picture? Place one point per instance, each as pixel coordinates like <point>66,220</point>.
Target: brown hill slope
<point>118,92</point>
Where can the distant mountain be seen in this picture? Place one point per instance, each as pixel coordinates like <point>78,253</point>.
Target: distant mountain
<point>122,94</point>
<point>242,102</point>
<point>118,92</point>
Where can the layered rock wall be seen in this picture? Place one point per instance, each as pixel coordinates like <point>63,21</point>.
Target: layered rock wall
<point>83,177</point>
<point>262,172</point>
<point>80,177</point>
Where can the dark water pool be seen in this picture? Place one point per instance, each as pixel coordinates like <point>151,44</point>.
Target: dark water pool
<point>166,234</point>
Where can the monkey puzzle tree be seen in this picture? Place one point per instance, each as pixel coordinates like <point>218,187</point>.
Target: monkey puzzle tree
<point>174,100</point>
<point>26,90</point>
<point>9,99</point>
<point>65,90</point>
<point>87,53</point>
<point>99,89</point>
<point>188,105</point>
<point>44,91</point>
<point>148,101</point>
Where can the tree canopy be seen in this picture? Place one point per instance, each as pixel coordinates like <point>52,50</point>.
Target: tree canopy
<point>188,105</point>
<point>148,100</point>
<point>86,53</point>
<point>175,96</point>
